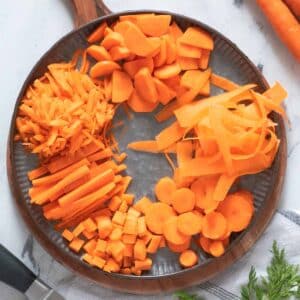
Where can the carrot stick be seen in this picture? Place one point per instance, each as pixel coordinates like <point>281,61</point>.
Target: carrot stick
<point>36,173</point>
<point>75,175</point>
<point>223,82</point>
<point>284,23</point>
<point>90,186</point>
<point>59,175</point>
<point>144,146</point>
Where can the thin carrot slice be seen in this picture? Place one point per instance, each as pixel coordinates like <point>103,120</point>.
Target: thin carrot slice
<point>188,258</point>
<point>122,86</point>
<point>169,136</point>
<point>157,215</point>
<point>222,82</point>
<point>171,232</point>
<point>214,225</point>
<point>144,146</point>
<point>189,223</point>
<point>164,189</point>
<point>183,200</point>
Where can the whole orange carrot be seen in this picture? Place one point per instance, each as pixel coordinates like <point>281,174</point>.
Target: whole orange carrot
<point>284,23</point>
<point>294,5</point>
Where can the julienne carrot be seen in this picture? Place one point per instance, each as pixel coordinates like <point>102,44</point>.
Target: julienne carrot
<point>283,22</point>
<point>144,61</point>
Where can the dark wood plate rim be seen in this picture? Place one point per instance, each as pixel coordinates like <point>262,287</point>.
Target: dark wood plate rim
<point>150,283</point>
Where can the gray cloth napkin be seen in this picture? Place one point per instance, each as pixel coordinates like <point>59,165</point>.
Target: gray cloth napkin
<point>284,227</point>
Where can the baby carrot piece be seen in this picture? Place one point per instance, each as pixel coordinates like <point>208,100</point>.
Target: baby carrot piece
<point>164,189</point>
<point>189,223</point>
<point>171,232</point>
<point>157,214</point>
<point>214,225</point>
<point>188,258</point>
<point>183,200</point>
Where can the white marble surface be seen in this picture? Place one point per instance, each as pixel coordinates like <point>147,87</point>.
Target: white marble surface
<point>28,28</point>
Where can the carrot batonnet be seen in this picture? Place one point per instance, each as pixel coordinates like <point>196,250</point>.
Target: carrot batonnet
<point>142,62</point>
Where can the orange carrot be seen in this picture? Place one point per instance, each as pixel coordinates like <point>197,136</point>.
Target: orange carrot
<point>222,82</point>
<point>98,52</point>
<point>284,23</point>
<point>154,244</point>
<point>164,189</point>
<point>188,258</point>
<point>187,63</point>
<point>204,59</point>
<point>112,39</point>
<point>144,146</point>
<point>294,6</point>
<point>179,248</point>
<point>183,200</point>
<point>194,36</point>
<point>167,71</point>
<point>104,226</point>
<point>145,86</point>
<point>38,172</point>
<point>204,243</point>
<point>102,68</point>
<point>189,223</point>
<point>143,205</point>
<point>214,225</point>
<point>171,232</point>
<point>216,248</point>
<point>138,104</point>
<point>121,86</point>
<point>88,187</point>
<point>139,250</point>
<point>119,52</point>
<point>157,215</point>
<point>237,210</point>
<point>154,25</point>
<point>164,93</point>
<point>76,244</point>
<point>97,35</point>
<point>132,67</point>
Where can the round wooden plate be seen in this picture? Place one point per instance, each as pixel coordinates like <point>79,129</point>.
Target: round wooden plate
<point>166,273</point>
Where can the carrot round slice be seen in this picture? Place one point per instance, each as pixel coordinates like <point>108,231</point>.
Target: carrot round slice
<point>179,248</point>
<point>188,258</point>
<point>216,248</point>
<point>167,71</point>
<point>204,243</point>
<point>157,214</point>
<point>171,232</point>
<point>189,223</point>
<point>103,68</point>
<point>164,189</point>
<point>237,210</point>
<point>214,225</point>
<point>183,200</point>
<point>246,195</point>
